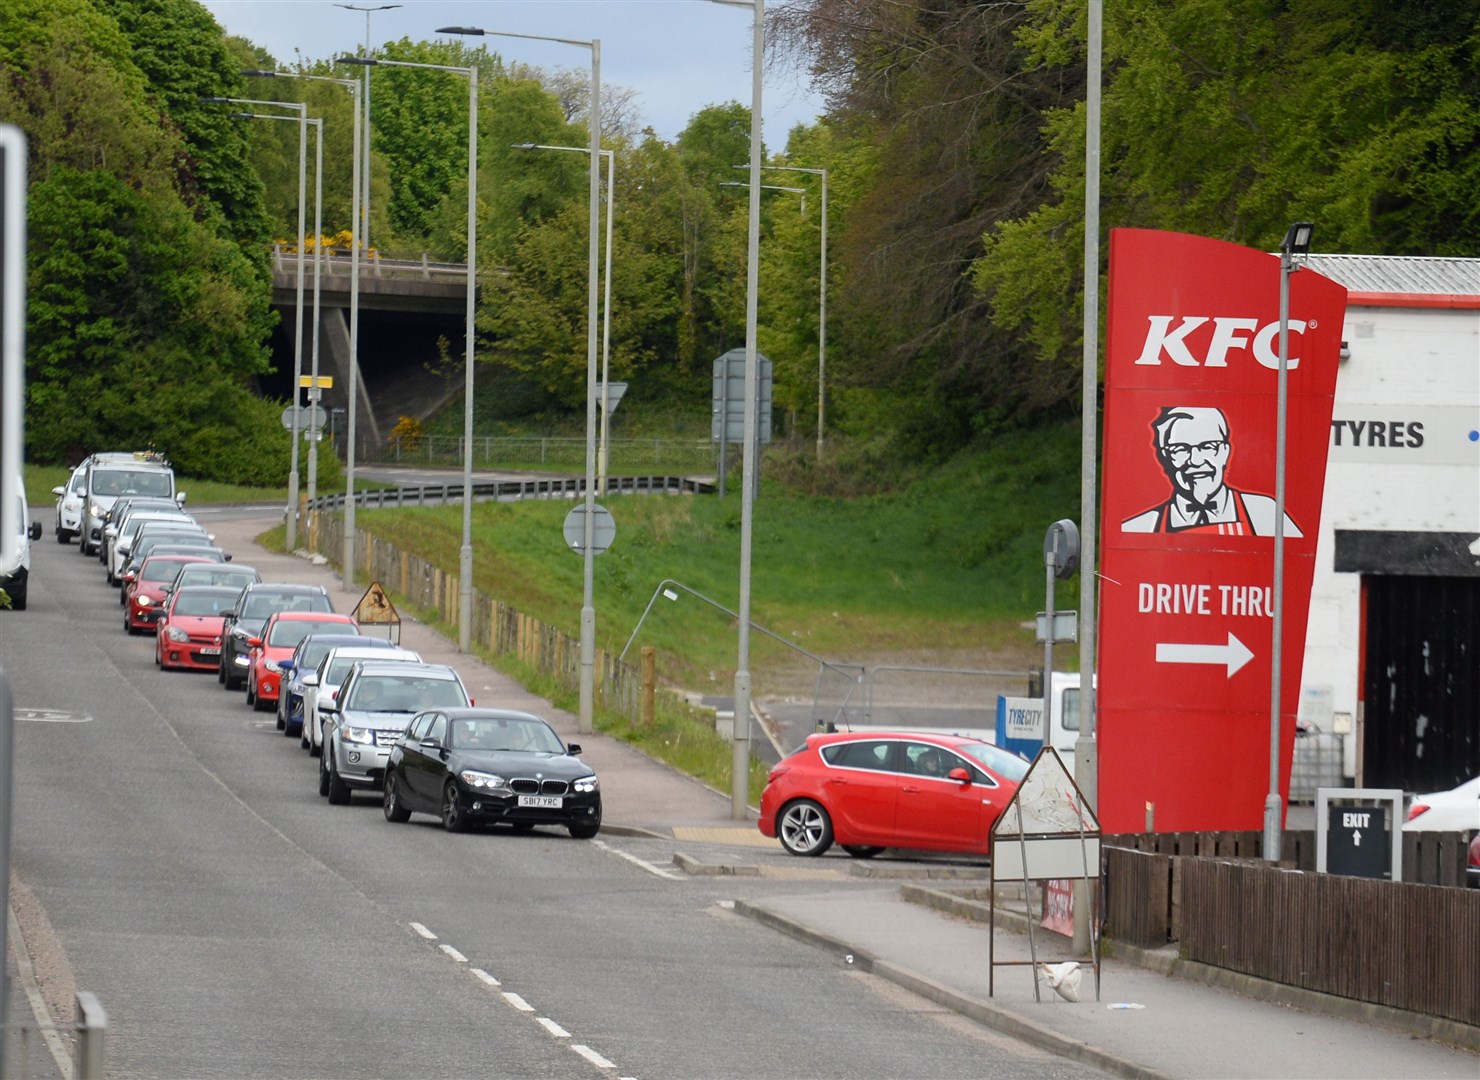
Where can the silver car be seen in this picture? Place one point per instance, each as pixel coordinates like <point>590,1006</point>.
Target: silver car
<point>322,684</point>
<point>70,497</point>
<point>372,710</point>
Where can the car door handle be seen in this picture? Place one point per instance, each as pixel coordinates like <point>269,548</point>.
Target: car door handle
<point>910,789</point>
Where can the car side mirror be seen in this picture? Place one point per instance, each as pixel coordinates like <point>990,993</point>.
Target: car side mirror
<point>253,642</point>
<point>179,498</point>
<point>285,666</point>
<point>430,744</point>
<point>310,680</point>
<point>35,530</point>
<point>573,749</point>
<point>329,705</point>
<point>59,491</point>
<point>960,774</point>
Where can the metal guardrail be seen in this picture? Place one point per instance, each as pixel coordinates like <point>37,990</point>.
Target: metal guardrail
<point>548,452</point>
<point>557,487</point>
<point>372,264</point>
<point>54,1047</point>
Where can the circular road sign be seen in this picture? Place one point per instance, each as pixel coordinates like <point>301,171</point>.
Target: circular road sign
<point>310,417</point>
<point>603,529</point>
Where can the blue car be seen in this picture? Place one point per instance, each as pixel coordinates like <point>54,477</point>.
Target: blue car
<point>305,659</point>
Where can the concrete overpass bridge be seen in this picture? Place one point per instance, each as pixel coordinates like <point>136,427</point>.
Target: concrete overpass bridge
<point>406,307</point>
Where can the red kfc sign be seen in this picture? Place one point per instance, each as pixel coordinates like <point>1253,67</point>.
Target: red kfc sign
<point>1188,520</point>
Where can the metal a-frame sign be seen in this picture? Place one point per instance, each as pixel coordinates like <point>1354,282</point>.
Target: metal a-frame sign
<point>375,609</point>
<point>1047,832</point>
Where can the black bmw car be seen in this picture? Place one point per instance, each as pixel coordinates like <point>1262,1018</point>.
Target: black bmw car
<point>490,767</point>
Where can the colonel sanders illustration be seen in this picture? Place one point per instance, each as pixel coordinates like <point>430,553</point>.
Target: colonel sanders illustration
<point>1193,448</point>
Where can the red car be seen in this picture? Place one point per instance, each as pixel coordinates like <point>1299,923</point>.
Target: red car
<point>143,598</point>
<point>280,636</point>
<point>899,789</point>
<point>189,634</point>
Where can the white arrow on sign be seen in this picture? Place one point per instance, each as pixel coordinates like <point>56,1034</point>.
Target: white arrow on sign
<point>1235,654</point>
<point>1356,838</point>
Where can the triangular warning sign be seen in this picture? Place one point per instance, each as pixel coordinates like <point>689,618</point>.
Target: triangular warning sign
<point>375,608</point>
<point>1047,803</point>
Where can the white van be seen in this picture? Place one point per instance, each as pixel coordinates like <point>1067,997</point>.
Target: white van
<point>14,578</point>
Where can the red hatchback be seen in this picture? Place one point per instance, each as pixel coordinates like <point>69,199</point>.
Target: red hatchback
<point>190,630</point>
<point>143,597</point>
<point>898,789</point>
<point>280,636</point>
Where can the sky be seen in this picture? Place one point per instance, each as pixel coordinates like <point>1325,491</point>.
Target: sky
<point>679,56</point>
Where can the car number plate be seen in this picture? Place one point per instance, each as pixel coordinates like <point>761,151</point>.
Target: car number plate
<point>542,802</point>
<point>209,650</point>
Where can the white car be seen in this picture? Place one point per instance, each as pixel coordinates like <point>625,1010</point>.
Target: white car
<point>324,683</point>
<point>1455,810</point>
<point>70,499</point>
<point>15,577</point>
<point>118,541</point>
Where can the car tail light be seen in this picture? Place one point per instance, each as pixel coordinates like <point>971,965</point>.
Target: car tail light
<point>1416,809</point>
<point>777,773</point>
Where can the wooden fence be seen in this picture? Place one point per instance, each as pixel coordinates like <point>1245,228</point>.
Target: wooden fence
<point>1400,944</point>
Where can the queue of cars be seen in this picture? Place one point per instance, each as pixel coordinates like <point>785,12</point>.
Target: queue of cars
<point>352,699</point>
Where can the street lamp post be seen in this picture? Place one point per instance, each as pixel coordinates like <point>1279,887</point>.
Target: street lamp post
<point>303,122</point>
<point>740,758</point>
<point>1295,243</point>
<point>821,308</point>
<point>588,603</point>
<point>465,555</point>
<point>607,405</point>
<point>365,171</point>
<point>354,92</point>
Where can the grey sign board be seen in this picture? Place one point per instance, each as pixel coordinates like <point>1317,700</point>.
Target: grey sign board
<point>727,418</point>
<point>12,333</point>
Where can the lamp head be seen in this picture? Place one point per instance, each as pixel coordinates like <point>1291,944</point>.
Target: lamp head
<point>521,146</point>
<point>362,61</point>
<point>214,100</point>
<point>259,74</point>
<point>472,31</point>
<point>1297,238</point>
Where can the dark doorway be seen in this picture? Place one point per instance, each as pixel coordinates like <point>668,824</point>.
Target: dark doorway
<point>1421,687</point>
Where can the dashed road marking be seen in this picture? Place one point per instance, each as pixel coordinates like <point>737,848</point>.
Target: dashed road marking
<point>423,931</point>
<point>450,951</point>
<point>592,1056</point>
<point>552,1027</point>
<point>518,1002</point>
<point>489,979</point>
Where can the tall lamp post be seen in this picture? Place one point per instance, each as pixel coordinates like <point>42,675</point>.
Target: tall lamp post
<point>465,555</point>
<point>354,307</point>
<point>588,603</point>
<point>303,122</point>
<point>1296,243</point>
<point>607,404</point>
<point>368,9</point>
<point>740,758</point>
<point>821,307</point>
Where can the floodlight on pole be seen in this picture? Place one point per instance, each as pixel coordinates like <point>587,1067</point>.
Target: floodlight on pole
<point>1295,244</point>
<point>354,92</point>
<point>610,396</point>
<point>465,553</point>
<point>586,722</point>
<point>368,9</point>
<point>303,122</point>
<point>740,745</point>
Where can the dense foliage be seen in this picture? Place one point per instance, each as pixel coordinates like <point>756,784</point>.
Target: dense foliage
<point>953,144</point>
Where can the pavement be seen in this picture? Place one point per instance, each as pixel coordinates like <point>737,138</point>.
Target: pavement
<point>915,923</point>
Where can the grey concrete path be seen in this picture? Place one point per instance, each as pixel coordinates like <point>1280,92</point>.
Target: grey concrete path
<point>1145,1023</point>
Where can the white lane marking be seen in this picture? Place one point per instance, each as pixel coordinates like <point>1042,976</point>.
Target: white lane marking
<point>423,931</point>
<point>489,979</point>
<point>450,951</point>
<point>592,1056</point>
<point>656,871</point>
<point>518,1002</point>
<point>552,1027</point>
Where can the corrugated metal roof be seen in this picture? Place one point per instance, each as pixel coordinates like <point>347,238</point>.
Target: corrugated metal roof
<point>1411,275</point>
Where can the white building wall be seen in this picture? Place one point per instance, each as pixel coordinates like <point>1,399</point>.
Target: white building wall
<point>1405,456</point>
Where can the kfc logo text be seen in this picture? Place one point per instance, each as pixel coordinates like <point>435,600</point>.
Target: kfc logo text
<point>1228,334</point>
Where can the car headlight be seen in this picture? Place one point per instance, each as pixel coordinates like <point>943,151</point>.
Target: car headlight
<point>174,633</point>
<point>95,510</point>
<point>585,785</point>
<point>357,734</point>
<point>483,781</point>
<point>143,601</point>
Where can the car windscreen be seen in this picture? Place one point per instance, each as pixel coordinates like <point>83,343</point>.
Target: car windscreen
<point>159,570</point>
<point>261,605</point>
<point>131,482</point>
<point>400,693</point>
<point>201,604</point>
<point>288,633</point>
<point>1002,762</point>
<point>530,736</point>
<point>310,655</point>
<point>214,575</point>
